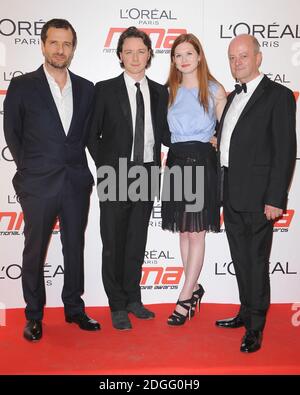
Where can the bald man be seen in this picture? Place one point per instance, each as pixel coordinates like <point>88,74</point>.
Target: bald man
<point>257,152</point>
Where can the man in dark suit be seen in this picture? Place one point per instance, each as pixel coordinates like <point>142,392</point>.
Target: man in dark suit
<point>128,123</point>
<point>45,117</point>
<point>257,145</point>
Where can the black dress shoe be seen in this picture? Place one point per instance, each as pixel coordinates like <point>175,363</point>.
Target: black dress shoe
<point>140,311</point>
<point>84,322</point>
<point>120,320</point>
<point>251,342</point>
<point>33,330</point>
<point>235,322</point>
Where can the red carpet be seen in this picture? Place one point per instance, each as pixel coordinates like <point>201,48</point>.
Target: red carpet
<point>152,347</point>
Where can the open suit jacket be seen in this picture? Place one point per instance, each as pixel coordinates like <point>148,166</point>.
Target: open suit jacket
<point>123,225</point>
<point>262,148</point>
<point>45,156</point>
<point>111,131</point>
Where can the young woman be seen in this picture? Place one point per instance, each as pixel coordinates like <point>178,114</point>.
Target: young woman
<point>196,103</point>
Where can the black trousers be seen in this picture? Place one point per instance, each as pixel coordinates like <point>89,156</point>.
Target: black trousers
<point>124,229</point>
<point>250,238</point>
<point>71,207</point>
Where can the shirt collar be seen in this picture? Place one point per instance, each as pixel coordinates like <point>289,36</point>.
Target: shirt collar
<point>252,85</point>
<point>131,82</point>
<point>52,81</point>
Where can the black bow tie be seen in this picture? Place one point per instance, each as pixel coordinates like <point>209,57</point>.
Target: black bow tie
<point>239,88</point>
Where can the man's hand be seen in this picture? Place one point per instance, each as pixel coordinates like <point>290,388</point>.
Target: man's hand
<point>272,212</point>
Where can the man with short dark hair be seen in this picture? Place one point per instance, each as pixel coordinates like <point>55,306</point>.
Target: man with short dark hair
<point>45,117</point>
<point>128,122</point>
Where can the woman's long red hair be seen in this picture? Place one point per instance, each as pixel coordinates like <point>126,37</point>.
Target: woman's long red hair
<point>203,73</point>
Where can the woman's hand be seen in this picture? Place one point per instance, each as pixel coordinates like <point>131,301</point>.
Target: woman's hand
<point>213,142</point>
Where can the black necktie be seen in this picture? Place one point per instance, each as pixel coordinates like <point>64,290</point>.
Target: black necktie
<point>138,153</point>
<point>239,88</point>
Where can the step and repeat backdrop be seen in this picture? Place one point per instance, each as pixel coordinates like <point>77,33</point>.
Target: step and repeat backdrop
<point>98,23</point>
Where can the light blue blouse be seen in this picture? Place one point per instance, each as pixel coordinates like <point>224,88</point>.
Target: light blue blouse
<point>187,119</point>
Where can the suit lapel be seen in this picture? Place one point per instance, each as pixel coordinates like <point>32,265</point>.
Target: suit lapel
<point>228,103</point>
<point>153,104</point>
<point>123,98</point>
<point>255,96</point>
<point>45,92</point>
<point>253,99</point>
<point>76,88</point>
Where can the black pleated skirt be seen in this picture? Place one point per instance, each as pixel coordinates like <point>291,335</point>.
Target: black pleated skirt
<point>175,217</point>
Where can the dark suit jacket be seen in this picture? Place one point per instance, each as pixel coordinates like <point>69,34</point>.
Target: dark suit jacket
<point>111,129</point>
<point>262,148</point>
<point>45,156</point>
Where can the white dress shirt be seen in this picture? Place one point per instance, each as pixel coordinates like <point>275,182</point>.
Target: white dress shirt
<point>149,134</point>
<point>63,99</point>
<point>234,111</point>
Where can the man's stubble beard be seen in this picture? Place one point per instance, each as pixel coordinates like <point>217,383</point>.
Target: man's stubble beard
<point>59,66</point>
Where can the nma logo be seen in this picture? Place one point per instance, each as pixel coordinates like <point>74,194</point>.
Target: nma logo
<point>161,38</point>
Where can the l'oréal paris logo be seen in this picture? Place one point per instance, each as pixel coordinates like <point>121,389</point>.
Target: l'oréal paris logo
<point>23,32</point>
<point>269,35</point>
<point>147,16</point>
